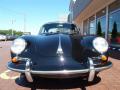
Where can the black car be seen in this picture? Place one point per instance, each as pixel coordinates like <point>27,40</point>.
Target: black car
<point>59,51</point>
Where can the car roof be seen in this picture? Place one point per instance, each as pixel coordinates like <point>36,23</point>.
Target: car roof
<point>58,22</point>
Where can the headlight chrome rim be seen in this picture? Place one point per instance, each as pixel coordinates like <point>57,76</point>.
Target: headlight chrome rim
<point>100,44</point>
<point>18,46</point>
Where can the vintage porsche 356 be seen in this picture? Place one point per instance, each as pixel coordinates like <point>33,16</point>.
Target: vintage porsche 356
<point>59,51</point>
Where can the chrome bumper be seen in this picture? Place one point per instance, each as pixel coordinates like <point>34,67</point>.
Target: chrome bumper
<point>91,70</point>
<point>28,72</point>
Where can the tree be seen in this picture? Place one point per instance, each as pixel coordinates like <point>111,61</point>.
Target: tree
<point>99,30</point>
<point>9,32</point>
<point>114,31</point>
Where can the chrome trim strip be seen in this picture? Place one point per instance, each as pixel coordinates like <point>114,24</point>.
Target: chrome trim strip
<point>92,70</point>
<point>62,71</point>
<point>103,68</point>
<point>16,70</point>
<point>28,72</point>
<point>59,50</point>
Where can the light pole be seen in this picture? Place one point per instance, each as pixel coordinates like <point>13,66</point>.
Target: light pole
<point>24,22</point>
<point>12,21</point>
<point>12,26</point>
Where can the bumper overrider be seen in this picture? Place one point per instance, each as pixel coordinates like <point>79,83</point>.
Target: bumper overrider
<point>91,70</point>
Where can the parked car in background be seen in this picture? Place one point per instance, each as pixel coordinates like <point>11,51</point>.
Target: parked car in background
<point>26,33</point>
<point>3,37</point>
<point>59,51</point>
<point>11,37</point>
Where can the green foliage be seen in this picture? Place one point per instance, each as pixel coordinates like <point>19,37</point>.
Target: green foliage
<point>118,33</point>
<point>99,30</point>
<point>18,33</point>
<point>114,31</point>
<point>9,32</point>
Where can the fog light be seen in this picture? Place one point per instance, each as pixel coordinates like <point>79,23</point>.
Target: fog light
<point>14,60</point>
<point>104,58</point>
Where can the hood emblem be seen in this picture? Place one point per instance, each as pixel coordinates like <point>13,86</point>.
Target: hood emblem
<point>59,50</point>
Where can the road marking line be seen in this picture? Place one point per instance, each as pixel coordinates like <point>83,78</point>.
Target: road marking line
<point>6,77</point>
<point>7,71</point>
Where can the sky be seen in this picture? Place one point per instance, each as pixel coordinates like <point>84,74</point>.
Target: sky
<point>35,12</point>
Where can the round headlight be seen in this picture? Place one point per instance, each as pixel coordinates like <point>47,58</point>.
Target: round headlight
<point>18,46</point>
<point>100,44</point>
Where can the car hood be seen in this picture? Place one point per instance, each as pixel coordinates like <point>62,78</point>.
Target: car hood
<point>47,45</point>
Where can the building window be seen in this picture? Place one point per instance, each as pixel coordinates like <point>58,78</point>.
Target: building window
<point>101,17</point>
<point>92,28</point>
<point>114,18</point>
<point>86,27</point>
<point>102,21</point>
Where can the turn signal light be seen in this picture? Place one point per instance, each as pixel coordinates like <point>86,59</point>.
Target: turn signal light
<point>104,58</point>
<point>14,60</point>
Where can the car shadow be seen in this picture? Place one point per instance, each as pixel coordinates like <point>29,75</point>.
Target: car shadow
<point>45,83</point>
<point>115,54</point>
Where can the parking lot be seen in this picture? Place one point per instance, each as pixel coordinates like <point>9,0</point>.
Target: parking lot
<point>107,80</point>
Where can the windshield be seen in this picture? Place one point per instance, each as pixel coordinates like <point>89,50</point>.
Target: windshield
<point>58,28</point>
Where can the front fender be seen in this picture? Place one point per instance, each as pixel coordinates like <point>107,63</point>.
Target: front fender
<point>87,42</point>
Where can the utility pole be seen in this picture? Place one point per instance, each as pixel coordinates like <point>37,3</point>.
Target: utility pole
<point>24,23</point>
<point>12,22</point>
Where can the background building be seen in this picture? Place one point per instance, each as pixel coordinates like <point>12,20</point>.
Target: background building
<point>87,14</point>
